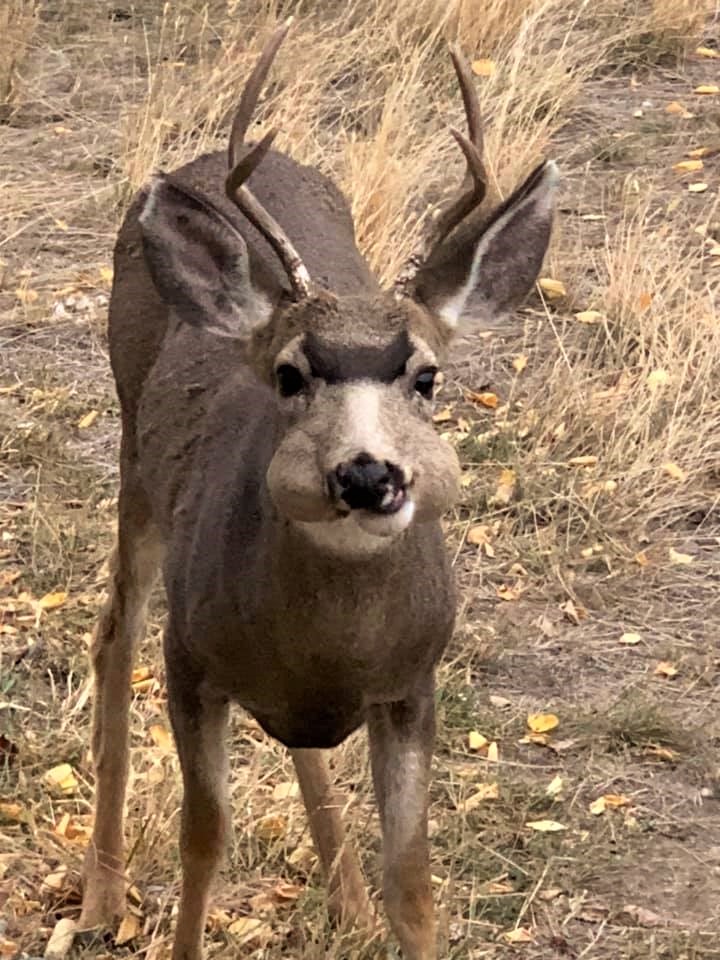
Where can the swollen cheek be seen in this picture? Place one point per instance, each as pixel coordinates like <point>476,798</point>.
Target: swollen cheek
<point>438,486</point>
<point>296,489</point>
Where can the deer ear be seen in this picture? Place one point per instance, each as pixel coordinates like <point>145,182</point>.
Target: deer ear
<point>486,269</point>
<point>199,261</point>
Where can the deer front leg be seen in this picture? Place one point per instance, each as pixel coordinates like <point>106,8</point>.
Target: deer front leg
<point>347,896</point>
<point>133,569</point>
<point>401,743</point>
<point>199,724</point>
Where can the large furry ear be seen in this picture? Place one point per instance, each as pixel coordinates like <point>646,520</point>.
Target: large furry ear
<point>199,261</point>
<point>486,269</point>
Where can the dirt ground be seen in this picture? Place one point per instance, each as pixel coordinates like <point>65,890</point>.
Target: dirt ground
<point>576,793</point>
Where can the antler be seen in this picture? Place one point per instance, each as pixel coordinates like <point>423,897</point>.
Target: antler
<point>474,186</point>
<point>243,160</point>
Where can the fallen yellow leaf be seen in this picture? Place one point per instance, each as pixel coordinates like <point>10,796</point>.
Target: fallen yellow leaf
<point>542,722</point>
<point>161,737</point>
<point>287,891</point>
<point>128,930</point>
<point>493,754</point>
<point>553,289</point>
<point>700,152</point>
<point>498,887</point>
<point>679,110</point>
<point>520,362</point>
<point>555,786</point>
<point>688,166</point>
<point>697,187</point>
<point>12,812</point>
<point>589,316</point>
<point>249,930</point>
<point>666,669</point>
<point>143,681</point>
<point>674,471</point>
<point>505,489</point>
<point>106,274</point>
<point>51,601</point>
<point>285,791</point>
<point>662,753</point>
<point>573,612</point>
<point>484,398</point>
<point>679,558</point>
<point>545,826</point>
<point>62,778</point>
<point>658,378</point>
<point>476,741</point>
<point>271,828</point>
<point>609,801</point>
<point>589,460</point>
<point>510,592</point>
<point>483,67</point>
<point>487,791</point>
<point>616,800</point>
<point>708,52</point>
<point>519,935</point>
<point>707,89</point>
<point>88,420</point>
<point>478,535</point>
<point>72,829</point>
<point>61,939</point>
<point>631,639</point>
<point>442,416</point>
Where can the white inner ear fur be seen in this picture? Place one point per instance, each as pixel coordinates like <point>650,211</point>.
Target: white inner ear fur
<point>541,198</point>
<point>148,210</point>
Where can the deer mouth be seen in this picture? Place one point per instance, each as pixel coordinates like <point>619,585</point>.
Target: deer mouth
<point>388,522</point>
<point>392,501</point>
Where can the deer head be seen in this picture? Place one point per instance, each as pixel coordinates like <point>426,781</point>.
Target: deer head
<point>354,377</point>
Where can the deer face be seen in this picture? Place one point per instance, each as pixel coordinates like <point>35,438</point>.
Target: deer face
<point>355,379</point>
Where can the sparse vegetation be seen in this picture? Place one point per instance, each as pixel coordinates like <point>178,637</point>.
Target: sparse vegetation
<point>18,19</point>
<point>589,426</point>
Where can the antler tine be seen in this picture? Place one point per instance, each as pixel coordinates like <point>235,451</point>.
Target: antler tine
<point>474,184</point>
<point>469,96</point>
<point>275,235</point>
<point>249,98</point>
<point>243,161</point>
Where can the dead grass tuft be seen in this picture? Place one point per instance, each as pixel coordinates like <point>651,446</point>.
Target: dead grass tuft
<point>609,432</point>
<point>18,20</point>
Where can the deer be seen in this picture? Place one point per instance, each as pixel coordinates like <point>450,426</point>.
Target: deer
<point>279,463</point>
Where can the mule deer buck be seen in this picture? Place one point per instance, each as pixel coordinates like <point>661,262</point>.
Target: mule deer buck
<point>278,459</point>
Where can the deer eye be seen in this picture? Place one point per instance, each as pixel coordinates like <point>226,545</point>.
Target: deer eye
<point>425,382</point>
<point>289,379</point>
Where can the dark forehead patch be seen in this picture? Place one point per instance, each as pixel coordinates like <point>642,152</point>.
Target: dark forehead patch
<point>335,364</point>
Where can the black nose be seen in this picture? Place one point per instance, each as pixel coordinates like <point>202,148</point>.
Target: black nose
<point>368,484</point>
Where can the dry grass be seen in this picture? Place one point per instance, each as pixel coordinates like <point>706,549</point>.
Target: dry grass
<point>18,20</point>
<point>366,92</point>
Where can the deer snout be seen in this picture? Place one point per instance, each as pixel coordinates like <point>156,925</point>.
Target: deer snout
<point>365,483</point>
